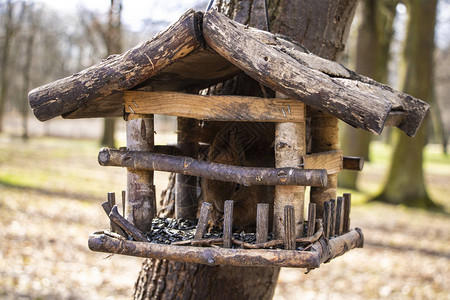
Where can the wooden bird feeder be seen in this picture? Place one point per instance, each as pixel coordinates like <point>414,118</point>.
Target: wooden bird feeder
<point>164,75</point>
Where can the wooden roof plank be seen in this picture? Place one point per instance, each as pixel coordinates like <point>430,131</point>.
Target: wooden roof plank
<point>118,72</point>
<point>214,108</point>
<point>320,83</point>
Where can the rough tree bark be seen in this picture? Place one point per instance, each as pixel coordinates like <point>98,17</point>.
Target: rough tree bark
<point>405,184</point>
<point>322,26</point>
<point>372,56</point>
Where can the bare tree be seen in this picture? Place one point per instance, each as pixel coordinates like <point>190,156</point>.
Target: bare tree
<point>13,13</point>
<point>372,57</point>
<point>26,70</point>
<point>406,183</point>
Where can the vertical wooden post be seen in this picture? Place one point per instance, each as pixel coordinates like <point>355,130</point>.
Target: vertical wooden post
<point>112,202</point>
<point>339,214</point>
<point>289,227</point>
<point>202,225</point>
<point>311,219</point>
<point>227,223</point>
<point>262,222</point>
<point>333,217</point>
<point>327,218</point>
<point>141,191</point>
<point>347,207</point>
<point>324,137</point>
<point>289,149</point>
<point>186,186</point>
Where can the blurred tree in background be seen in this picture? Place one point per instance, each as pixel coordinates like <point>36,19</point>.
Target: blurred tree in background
<point>405,183</point>
<point>112,38</point>
<point>375,33</point>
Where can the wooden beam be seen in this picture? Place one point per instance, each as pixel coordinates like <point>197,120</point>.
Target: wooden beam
<point>117,72</point>
<point>289,148</point>
<point>140,187</point>
<point>141,160</point>
<point>214,108</point>
<point>322,251</point>
<point>324,85</point>
<point>324,137</point>
<point>328,160</point>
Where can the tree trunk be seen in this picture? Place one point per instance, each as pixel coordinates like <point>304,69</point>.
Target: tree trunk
<point>24,107</point>
<point>12,23</point>
<point>322,26</point>
<point>113,46</point>
<point>372,58</point>
<point>405,184</point>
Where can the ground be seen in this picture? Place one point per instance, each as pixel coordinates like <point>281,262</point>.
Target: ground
<point>50,195</point>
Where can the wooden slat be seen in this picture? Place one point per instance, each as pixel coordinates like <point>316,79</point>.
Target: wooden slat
<point>311,219</point>
<point>228,223</point>
<point>214,108</point>
<point>289,227</point>
<point>262,222</point>
<point>202,225</point>
<point>329,160</point>
<point>347,208</point>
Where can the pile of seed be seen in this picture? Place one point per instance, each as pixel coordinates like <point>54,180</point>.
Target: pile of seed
<point>168,230</point>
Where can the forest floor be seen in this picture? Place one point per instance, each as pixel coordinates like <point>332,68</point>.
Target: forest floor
<point>50,195</point>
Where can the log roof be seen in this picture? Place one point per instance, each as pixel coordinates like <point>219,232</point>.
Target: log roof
<point>200,50</point>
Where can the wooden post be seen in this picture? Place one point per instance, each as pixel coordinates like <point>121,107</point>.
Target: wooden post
<point>202,224</point>
<point>124,195</point>
<point>339,216</point>
<point>141,191</point>
<point>186,185</point>
<point>228,223</point>
<point>327,218</point>
<point>347,207</point>
<point>324,137</point>
<point>311,219</point>
<point>289,149</point>
<point>262,222</point>
<point>333,217</point>
<point>289,227</point>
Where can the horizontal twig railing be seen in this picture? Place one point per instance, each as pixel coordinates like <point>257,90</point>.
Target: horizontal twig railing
<point>321,251</point>
<point>189,166</point>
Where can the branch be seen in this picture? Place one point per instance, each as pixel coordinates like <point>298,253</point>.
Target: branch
<point>189,166</point>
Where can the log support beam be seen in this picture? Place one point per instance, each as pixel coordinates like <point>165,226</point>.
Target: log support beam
<point>289,150</point>
<point>141,191</point>
<point>140,160</point>
<point>324,137</point>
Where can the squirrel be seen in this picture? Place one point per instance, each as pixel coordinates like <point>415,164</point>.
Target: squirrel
<point>240,144</point>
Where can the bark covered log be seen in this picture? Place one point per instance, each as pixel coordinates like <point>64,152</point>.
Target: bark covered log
<point>323,251</point>
<point>117,72</point>
<point>357,103</point>
<point>138,160</point>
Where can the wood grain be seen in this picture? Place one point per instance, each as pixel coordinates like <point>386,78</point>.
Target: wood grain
<point>328,160</point>
<point>214,108</point>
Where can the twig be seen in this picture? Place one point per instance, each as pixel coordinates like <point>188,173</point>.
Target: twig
<point>126,225</point>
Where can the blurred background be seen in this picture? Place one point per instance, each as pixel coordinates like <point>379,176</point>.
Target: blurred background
<point>51,186</point>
